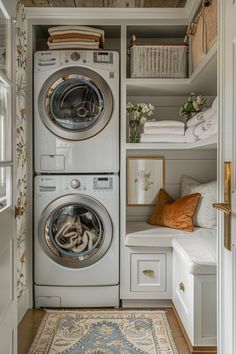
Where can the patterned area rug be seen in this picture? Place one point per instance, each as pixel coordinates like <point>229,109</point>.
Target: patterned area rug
<point>104,332</point>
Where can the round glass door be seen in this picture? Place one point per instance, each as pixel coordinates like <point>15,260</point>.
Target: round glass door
<point>75,231</point>
<point>75,103</point>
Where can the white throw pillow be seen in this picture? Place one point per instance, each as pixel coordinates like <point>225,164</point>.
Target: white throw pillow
<point>205,215</point>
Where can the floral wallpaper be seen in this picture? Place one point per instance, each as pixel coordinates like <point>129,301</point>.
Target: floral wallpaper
<point>21,156</point>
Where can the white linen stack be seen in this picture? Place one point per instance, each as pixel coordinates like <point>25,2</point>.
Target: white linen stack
<point>163,131</point>
<point>75,37</point>
<point>203,125</point>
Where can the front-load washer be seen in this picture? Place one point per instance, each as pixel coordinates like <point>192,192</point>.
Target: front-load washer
<point>76,240</point>
<point>76,111</point>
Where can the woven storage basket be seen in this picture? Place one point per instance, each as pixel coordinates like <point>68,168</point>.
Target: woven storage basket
<point>203,32</point>
<point>163,61</point>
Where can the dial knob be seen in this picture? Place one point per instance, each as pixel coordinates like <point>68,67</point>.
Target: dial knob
<point>75,183</point>
<point>75,56</point>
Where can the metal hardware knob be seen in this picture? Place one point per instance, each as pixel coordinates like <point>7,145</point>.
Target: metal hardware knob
<point>75,56</point>
<point>75,183</point>
<point>225,207</point>
<point>181,286</point>
<point>148,272</point>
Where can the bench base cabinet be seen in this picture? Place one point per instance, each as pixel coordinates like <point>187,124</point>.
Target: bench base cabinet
<point>194,298</point>
<point>147,275</point>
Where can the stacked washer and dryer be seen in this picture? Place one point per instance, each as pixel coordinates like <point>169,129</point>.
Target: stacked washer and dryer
<point>76,196</point>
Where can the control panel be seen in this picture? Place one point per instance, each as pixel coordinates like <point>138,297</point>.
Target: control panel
<point>103,57</point>
<point>102,183</point>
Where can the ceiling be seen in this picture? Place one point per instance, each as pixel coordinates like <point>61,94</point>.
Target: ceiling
<point>104,3</point>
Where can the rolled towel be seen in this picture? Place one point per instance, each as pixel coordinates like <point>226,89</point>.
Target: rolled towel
<point>190,135</point>
<point>200,117</point>
<point>163,123</point>
<point>164,130</point>
<point>198,129</point>
<point>162,138</point>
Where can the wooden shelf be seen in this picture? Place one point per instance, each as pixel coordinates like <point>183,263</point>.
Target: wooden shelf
<point>206,144</point>
<point>203,80</point>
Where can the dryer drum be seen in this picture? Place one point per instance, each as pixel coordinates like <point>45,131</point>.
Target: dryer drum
<point>75,234</point>
<point>75,103</point>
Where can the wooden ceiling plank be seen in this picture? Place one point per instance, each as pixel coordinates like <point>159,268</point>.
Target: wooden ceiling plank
<point>119,3</point>
<point>160,3</point>
<point>62,3</point>
<point>89,3</point>
<point>35,3</point>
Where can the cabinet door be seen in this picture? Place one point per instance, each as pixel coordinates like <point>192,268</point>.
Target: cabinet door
<point>148,272</point>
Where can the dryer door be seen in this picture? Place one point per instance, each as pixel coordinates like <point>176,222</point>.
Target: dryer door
<point>75,231</point>
<point>75,103</point>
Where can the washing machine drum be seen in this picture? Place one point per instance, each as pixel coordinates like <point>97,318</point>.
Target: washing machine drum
<point>75,231</point>
<point>75,103</point>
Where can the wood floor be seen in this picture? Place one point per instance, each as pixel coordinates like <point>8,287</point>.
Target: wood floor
<point>31,321</point>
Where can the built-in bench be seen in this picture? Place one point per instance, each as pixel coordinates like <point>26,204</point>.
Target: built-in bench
<point>163,263</point>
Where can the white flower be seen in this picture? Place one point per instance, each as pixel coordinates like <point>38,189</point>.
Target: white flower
<point>143,120</point>
<point>196,105</point>
<point>200,100</point>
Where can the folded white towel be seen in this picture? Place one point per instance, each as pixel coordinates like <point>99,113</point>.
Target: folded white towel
<point>162,138</point>
<point>164,130</point>
<point>215,104</point>
<point>200,117</point>
<point>163,123</point>
<point>201,131</point>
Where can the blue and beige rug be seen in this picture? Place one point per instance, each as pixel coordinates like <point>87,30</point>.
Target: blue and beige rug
<point>104,332</point>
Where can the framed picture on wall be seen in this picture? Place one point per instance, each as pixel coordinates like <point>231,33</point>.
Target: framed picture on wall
<point>145,177</point>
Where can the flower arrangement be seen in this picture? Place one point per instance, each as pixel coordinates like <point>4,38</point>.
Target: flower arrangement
<point>136,113</point>
<point>194,105</point>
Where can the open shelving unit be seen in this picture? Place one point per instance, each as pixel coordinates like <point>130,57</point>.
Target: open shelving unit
<point>205,144</point>
<point>198,158</point>
<point>180,87</point>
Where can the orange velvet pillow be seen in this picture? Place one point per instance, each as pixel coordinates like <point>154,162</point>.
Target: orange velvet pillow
<point>176,214</point>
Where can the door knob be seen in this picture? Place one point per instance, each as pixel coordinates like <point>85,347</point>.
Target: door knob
<point>226,205</point>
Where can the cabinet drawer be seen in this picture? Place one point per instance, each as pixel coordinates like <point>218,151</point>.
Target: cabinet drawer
<point>148,272</point>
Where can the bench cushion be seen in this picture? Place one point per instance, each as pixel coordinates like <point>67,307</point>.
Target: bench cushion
<point>141,234</point>
<point>198,252</point>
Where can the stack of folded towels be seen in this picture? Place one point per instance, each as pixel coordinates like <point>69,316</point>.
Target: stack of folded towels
<point>75,37</point>
<point>163,131</point>
<point>203,125</point>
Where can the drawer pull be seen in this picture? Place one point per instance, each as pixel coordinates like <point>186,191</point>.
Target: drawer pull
<point>148,272</point>
<point>181,286</point>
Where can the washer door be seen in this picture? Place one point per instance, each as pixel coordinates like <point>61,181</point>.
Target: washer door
<point>75,103</point>
<point>75,231</point>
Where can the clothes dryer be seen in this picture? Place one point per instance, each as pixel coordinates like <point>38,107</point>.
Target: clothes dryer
<point>76,111</point>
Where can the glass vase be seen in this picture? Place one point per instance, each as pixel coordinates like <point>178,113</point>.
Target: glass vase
<point>134,131</point>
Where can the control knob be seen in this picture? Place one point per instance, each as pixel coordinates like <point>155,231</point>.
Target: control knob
<point>75,56</point>
<point>75,183</point>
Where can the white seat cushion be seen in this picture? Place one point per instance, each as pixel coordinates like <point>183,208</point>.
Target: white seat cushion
<point>152,236</point>
<point>198,252</point>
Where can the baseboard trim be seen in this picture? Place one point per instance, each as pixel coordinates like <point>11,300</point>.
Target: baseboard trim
<point>194,349</point>
<point>146,303</point>
<point>22,306</point>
